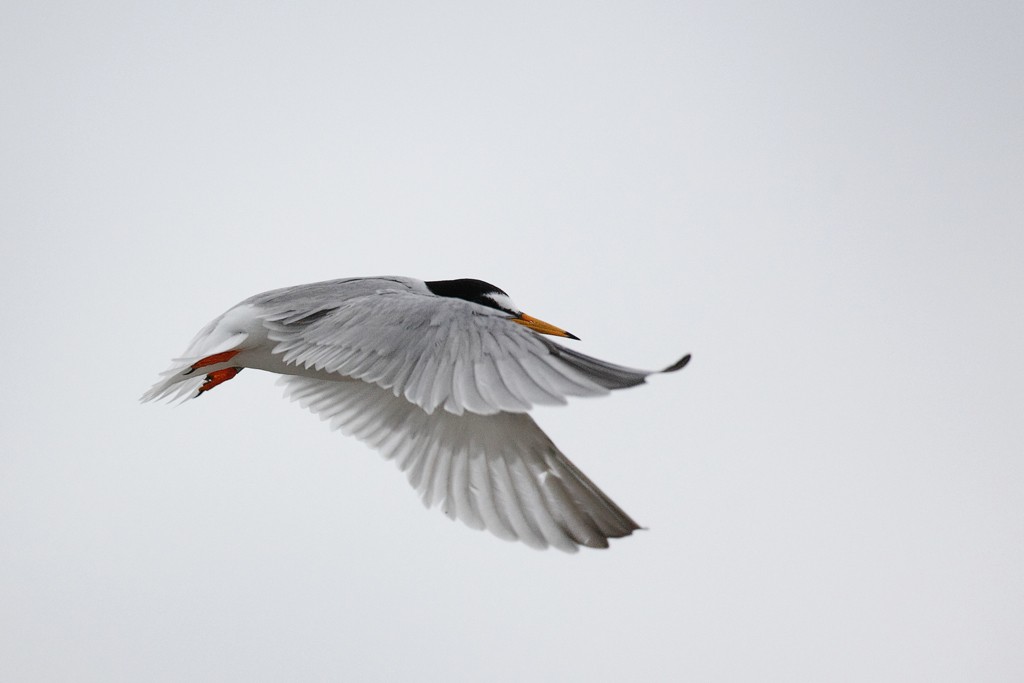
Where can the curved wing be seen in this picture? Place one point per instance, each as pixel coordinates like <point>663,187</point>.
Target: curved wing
<point>496,472</point>
<point>438,352</point>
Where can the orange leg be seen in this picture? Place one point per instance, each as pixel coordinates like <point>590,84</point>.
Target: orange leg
<point>213,360</point>
<point>217,377</point>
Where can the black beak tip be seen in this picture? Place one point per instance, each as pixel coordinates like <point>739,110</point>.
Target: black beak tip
<point>570,335</point>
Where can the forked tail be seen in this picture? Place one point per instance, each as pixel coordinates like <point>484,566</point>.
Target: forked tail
<point>204,365</point>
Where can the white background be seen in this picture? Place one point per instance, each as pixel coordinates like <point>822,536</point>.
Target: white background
<point>822,202</point>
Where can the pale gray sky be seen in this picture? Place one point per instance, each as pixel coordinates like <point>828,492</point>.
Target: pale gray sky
<point>822,202</point>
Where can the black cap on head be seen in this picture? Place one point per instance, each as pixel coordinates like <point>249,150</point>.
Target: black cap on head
<point>477,291</point>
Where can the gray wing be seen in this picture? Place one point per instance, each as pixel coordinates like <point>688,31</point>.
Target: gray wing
<point>438,352</point>
<point>495,472</point>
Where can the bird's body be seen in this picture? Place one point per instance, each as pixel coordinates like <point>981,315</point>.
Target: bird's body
<point>437,376</point>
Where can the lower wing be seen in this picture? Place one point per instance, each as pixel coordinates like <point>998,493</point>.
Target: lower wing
<point>497,472</point>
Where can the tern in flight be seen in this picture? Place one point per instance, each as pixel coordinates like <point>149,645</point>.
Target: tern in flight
<point>438,376</point>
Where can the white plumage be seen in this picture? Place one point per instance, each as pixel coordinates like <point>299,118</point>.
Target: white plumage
<point>438,383</point>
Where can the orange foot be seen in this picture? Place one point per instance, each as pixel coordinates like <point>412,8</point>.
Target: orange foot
<point>217,377</point>
<point>213,360</point>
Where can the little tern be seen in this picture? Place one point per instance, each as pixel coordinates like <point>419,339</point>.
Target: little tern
<point>437,376</point>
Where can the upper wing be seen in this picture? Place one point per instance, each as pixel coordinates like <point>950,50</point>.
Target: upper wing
<point>439,352</point>
<point>498,472</point>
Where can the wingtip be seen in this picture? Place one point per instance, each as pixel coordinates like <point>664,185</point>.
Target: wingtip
<point>679,364</point>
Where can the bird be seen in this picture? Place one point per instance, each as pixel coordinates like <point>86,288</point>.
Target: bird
<point>437,376</point>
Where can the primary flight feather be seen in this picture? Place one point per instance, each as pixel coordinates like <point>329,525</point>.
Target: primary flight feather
<point>437,376</point>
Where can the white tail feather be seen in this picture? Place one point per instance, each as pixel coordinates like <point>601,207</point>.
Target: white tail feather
<point>180,382</point>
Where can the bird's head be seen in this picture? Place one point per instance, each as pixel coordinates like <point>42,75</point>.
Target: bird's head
<point>486,294</point>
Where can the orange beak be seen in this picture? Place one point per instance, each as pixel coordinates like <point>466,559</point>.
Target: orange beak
<point>542,327</point>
